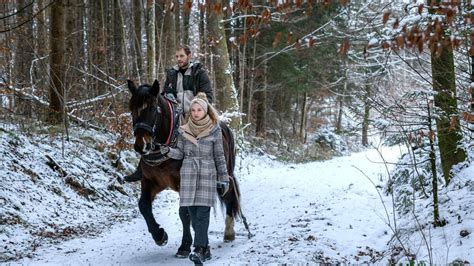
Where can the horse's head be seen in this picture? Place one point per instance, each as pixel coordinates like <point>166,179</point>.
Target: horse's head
<point>149,116</point>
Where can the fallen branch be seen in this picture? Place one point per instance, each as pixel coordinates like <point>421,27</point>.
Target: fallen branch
<point>55,166</point>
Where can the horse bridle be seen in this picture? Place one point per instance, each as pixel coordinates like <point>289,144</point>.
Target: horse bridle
<point>152,129</point>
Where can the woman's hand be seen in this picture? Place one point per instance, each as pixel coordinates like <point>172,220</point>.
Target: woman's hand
<point>223,187</point>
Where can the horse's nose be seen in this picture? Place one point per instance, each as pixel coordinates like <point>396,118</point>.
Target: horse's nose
<point>138,148</point>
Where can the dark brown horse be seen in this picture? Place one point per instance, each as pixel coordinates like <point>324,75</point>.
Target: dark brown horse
<point>153,120</point>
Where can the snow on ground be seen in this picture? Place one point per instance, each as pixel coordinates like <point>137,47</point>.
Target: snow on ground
<point>314,212</point>
<point>299,213</point>
<point>41,205</point>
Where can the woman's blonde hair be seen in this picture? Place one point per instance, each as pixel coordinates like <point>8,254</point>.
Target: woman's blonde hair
<point>211,111</point>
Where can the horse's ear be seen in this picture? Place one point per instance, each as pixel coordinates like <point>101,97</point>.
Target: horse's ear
<point>131,86</point>
<point>155,88</point>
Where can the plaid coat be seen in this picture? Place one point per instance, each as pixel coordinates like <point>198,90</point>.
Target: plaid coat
<point>203,164</point>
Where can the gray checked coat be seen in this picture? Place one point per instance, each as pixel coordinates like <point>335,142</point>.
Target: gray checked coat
<point>203,164</point>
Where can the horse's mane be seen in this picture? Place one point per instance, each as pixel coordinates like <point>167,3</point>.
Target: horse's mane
<point>141,99</point>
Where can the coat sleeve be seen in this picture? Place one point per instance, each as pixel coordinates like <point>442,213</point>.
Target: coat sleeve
<point>177,153</point>
<point>205,85</point>
<point>219,157</point>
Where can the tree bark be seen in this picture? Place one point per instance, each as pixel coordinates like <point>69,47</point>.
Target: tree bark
<point>261,102</point>
<point>137,39</point>
<point>225,91</point>
<point>24,52</point>
<point>252,82</point>
<point>120,66</point>
<point>444,84</point>
<point>365,122</point>
<point>169,37</point>
<point>97,44</point>
<point>340,102</point>
<point>24,45</point>
<point>56,90</point>
<point>447,123</point>
<point>150,44</point>
<point>434,184</point>
<point>186,25</point>
<point>304,111</point>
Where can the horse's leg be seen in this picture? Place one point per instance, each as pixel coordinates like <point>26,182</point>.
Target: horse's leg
<point>187,240</point>
<point>229,233</point>
<point>232,209</point>
<point>145,206</point>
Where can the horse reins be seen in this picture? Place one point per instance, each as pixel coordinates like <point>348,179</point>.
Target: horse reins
<point>154,159</point>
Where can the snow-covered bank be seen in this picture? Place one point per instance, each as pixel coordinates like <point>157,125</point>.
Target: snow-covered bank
<point>46,197</point>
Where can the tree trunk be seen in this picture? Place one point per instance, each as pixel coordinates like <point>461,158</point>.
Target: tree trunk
<point>56,91</point>
<point>137,37</point>
<point>261,102</point>
<point>42,48</point>
<point>177,22</point>
<point>243,65</point>
<point>24,52</point>
<point>447,124</point>
<point>202,36</point>
<point>24,46</point>
<point>340,102</point>
<point>252,82</point>
<point>186,18</point>
<point>169,37</point>
<point>225,91</point>
<point>365,122</point>
<point>74,42</point>
<point>304,110</point>
<point>436,220</point>
<point>97,44</point>
<point>120,69</point>
<point>159,7</point>
<point>150,43</point>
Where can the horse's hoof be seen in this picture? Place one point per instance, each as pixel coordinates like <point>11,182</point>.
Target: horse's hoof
<point>229,238</point>
<point>182,254</point>
<point>163,240</point>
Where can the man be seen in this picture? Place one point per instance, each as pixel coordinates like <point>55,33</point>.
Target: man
<point>186,79</point>
<point>183,81</point>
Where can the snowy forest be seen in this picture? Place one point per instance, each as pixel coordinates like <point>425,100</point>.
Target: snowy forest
<point>353,124</point>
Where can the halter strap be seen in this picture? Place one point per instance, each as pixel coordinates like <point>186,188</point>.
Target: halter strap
<point>171,123</point>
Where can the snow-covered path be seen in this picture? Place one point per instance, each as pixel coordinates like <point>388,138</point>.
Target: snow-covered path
<point>314,212</point>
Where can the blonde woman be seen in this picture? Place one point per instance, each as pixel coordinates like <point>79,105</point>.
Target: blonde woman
<point>200,146</point>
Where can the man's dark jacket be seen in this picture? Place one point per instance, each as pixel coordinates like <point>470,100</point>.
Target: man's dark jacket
<point>197,82</point>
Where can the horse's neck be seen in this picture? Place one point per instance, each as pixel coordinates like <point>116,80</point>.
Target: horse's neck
<point>164,123</point>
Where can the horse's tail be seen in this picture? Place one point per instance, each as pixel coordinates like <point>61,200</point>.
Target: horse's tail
<point>232,198</point>
<point>228,138</point>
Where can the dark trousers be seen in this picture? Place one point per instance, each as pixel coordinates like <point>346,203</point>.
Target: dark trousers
<point>200,216</point>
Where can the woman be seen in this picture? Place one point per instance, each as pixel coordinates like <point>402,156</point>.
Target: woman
<point>200,144</point>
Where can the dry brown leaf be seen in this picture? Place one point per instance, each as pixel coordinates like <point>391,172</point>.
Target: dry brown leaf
<point>420,8</point>
<point>344,47</point>
<point>432,135</point>
<point>290,38</point>
<point>396,23</point>
<point>420,45</point>
<point>453,123</point>
<point>276,40</point>
<point>386,15</point>
<point>343,2</point>
<point>400,41</point>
